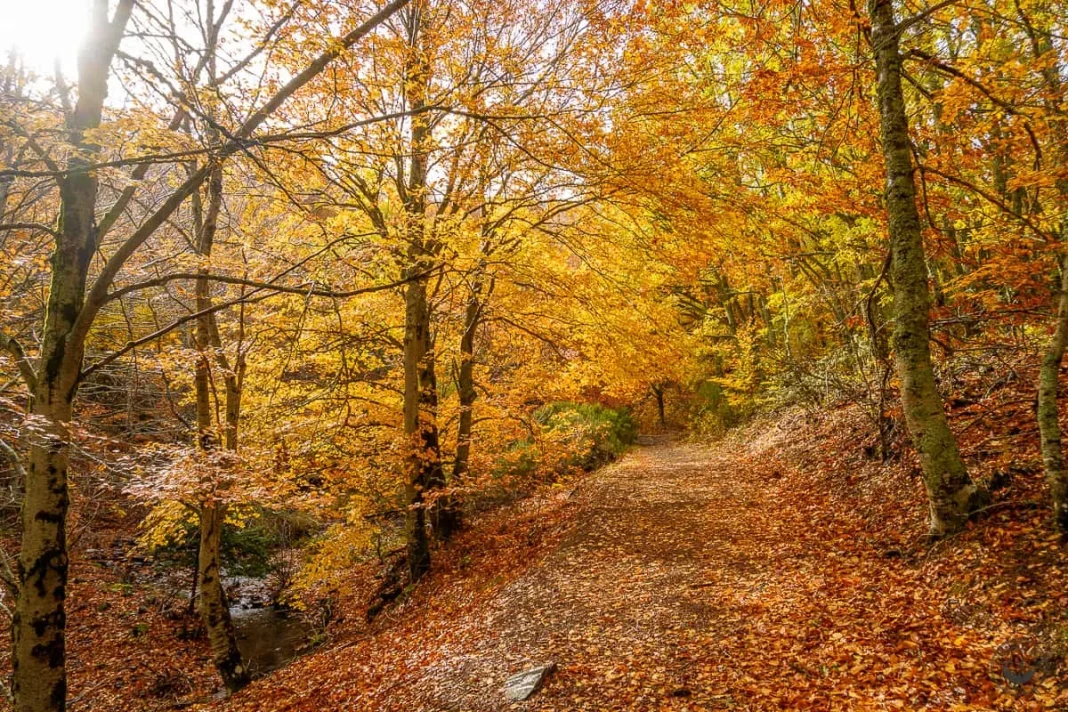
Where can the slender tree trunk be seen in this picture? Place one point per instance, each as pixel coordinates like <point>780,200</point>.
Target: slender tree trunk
<point>195,586</point>
<point>420,383</point>
<point>658,392</point>
<point>5,190</point>
<point>1048,412</point>
<point>465,386</point>
<point>11,87</point>
<point>214,608</point>
<point>884,368</point>
<point>465,383</point>
<point>39,681</point>
<point>442,513</point>
<point>1049,372</point>
<point>422,456</point>
<point>951,493</point>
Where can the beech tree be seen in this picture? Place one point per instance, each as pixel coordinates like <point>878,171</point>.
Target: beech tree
<point>448,189</point>
<point>952,494</point>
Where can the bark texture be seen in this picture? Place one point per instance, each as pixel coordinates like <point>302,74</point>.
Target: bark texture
<point>465,386</point>
<point>1049,373</point>
<point>950,491</point>
<point>420,385</point>
<point>39,680</point>
<point>424,456</point>
<point>214,608</point>
<point>465,381</point>
<point>1048,412</point>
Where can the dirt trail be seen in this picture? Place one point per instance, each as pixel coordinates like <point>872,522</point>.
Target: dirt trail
<point>665,560</point>
<point>630,598</point>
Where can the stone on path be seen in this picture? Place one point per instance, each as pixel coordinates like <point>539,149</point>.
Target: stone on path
<point>519,687</point>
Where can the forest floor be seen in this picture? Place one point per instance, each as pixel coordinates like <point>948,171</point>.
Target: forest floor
<point>766,572</point>
<point>780,568</point>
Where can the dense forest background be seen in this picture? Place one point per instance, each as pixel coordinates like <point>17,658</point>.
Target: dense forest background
<point>297,292</point>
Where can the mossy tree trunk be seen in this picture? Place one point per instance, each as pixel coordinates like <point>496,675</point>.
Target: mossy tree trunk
<point>1048,411</point>
<point>1042,45</point>
<point>213,606</point>
<point>951,493</point>
<point>39,680</point>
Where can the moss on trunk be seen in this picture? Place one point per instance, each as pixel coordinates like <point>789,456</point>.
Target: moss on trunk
<point>950,491</point>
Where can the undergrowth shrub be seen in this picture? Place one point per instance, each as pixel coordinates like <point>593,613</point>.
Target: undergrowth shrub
<point>593,434</point>
<point>714,411</point>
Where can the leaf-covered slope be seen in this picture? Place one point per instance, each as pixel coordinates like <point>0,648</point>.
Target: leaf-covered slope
<point>775,570</point>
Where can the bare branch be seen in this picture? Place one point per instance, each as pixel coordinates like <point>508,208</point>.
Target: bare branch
<point>249,298</point>
<point>12,346</point>
<point>309,289</point>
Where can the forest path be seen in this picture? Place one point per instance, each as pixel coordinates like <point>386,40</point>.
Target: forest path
<point>633,595</point>
<point>669,556</point>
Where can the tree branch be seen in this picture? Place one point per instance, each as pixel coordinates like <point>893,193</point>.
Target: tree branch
<point>986,195</point>
<point>954,72</point>
<point>244,299</point>
<point>98,294</point>
<point>28,226</point>
<point>12,346</point>
<point>308,289</point>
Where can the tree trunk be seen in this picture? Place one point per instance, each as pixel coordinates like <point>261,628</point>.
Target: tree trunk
<point>951,493</point>
<point>5,188</point>
<point>443,516</point>
<point>38,640</point>
<point>658,392</point>
<point>39,679</point>
<point>884,368</point>
<point>1049,373</point>
<point>214,608</point>
<point>420,383</point>
<point>195,586</point>
<point>1048,412</point>
<point>423,455</point>
<point>465,386</point>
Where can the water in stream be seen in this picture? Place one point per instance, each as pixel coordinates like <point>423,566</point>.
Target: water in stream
<point>269,638</point>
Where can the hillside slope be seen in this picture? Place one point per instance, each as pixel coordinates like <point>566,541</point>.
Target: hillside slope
<point>774,570</point>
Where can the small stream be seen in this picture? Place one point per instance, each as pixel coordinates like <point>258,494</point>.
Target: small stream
<point>269,638</point>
